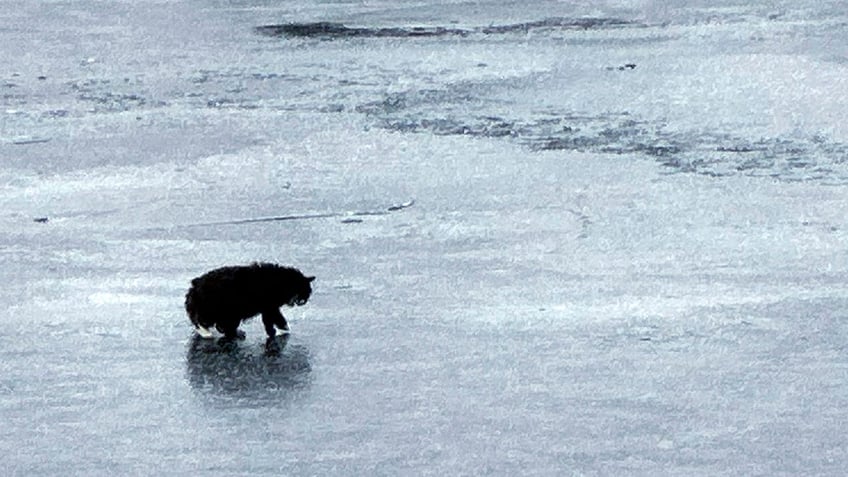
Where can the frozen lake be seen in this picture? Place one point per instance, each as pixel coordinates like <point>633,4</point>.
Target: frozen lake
<point>626,253</point>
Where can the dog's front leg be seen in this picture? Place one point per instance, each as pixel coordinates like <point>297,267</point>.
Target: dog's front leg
<point>272,318</point>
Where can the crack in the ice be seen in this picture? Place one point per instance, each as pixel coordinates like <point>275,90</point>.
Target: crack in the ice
<point>349,217</point>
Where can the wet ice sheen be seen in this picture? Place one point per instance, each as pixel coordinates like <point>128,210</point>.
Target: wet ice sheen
<point>607,270</point>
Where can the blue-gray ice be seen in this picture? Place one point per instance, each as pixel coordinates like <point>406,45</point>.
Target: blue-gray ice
<point>627,252</point>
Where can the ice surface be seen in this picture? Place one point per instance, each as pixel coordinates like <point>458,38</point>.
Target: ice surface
<point>599,269</point>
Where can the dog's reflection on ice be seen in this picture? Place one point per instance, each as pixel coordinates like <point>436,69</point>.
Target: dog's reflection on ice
<point>226,370</point>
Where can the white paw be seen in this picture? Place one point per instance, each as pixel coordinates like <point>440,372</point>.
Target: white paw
<point>203,332</point>
<point>283,332</point>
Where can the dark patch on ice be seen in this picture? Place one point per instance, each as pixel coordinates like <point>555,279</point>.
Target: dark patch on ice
<point>56,113</point>
<point>112,96</point>
<point>589,23</point>
<point>338,30</point>
<point>332,108</point>
<point>329,30</point>
<point>229,103</point>
<point>462,110</point>
<point>624,67</point>
<point>228,370</point>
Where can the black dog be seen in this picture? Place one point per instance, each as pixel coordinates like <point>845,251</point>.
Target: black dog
<point>226,296</point>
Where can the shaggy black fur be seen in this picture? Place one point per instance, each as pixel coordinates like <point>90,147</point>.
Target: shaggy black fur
<point>226,296</point>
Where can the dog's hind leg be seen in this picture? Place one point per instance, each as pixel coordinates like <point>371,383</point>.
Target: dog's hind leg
<point>273,318</point>
<point>231,331</point>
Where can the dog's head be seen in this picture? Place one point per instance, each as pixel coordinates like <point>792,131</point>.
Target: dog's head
<point>303,292</point>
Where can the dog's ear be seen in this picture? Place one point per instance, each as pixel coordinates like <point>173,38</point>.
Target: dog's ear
<point>310,279</point>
